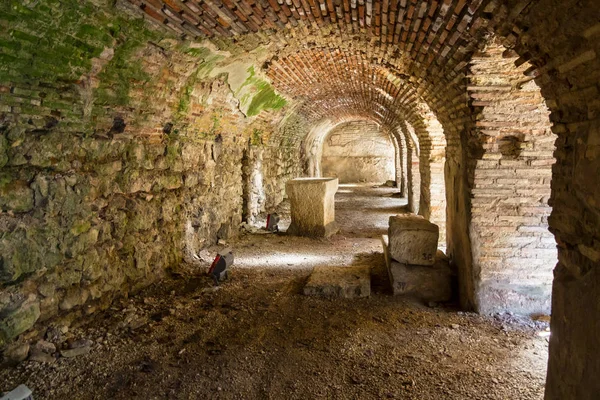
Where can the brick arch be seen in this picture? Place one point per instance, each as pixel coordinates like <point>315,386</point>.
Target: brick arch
<point>406,133</point>
<point>324,78</point>
<point>406,147</point>
<point>314,139</point>
<point>360,151</point>
<point>564,62</point>
<point>404,136</point>
<point>430,42</point>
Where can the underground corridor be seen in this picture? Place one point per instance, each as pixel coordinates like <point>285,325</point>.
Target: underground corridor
<point>258,336</point>
<point>285,199</point>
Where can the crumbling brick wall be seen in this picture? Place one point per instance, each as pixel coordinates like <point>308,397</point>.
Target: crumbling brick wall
<point>510,169</point>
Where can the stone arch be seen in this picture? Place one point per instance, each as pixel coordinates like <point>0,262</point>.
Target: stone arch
<point>314,140</point>
<point>379,92</point>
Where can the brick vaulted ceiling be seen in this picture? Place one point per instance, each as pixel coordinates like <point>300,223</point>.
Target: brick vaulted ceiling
<point>359,88</point>
<point>355,57</point>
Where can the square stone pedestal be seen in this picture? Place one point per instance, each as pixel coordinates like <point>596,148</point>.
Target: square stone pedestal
<point>312,206</point>
<point>413,239</point>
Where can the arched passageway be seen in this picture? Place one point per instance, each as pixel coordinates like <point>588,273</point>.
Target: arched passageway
<point>134,134</point>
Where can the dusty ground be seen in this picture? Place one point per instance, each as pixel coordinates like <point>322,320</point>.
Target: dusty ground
<point>257,337</point>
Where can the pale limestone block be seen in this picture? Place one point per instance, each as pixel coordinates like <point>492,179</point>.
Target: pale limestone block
<point>312,206</point>
<point>413,239</point>
<point>427,283</point>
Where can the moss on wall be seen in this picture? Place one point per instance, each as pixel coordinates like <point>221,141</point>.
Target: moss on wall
<point>122,72</point>
<point>120,153</point>
<point>259,95</point>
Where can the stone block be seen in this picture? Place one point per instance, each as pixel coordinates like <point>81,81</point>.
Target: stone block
<point>18,318</point>
<point>346,282</point>
<point>412,239</point>
<point>312,206</point>
<point>427,283</point>
<point>15,195</point>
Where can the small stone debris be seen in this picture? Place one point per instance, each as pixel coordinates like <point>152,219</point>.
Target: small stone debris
<point>43,352</point>
<point>204,256</point>
<point>134,322</point>
<point>69,353</point>
<point>45,347</point>
<point>57,334</point>
<point>42,357</point>
<point>16,353</point>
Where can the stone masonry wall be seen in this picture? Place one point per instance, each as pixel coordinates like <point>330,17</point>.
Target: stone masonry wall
<point>358,152</point>
<point>119,157</point>
<point>284,159</point>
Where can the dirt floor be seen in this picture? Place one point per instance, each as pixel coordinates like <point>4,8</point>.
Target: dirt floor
<point>258,337</point>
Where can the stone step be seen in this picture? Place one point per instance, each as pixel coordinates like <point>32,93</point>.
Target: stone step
<point>427,283</point>
<point>346,282</point>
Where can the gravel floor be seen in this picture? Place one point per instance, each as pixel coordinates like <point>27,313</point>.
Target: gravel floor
<point>257,337</point>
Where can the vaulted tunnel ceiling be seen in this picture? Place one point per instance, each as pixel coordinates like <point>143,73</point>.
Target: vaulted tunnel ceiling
<point>379,58</point>
<point>345,85</point>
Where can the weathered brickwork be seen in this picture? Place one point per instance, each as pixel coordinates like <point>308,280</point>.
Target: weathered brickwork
<point>400,156</point>
<point>358,151</point>
<point>510,172</point>
<point>432,144</point>
<point>408,136</point>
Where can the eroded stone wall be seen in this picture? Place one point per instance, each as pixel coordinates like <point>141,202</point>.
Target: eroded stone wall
<point>120,156</point>
<point>285,159</point>
<point>358,151</point>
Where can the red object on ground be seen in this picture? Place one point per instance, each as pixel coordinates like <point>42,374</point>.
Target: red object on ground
<point>214,263</point>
